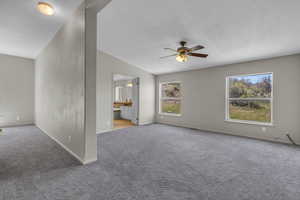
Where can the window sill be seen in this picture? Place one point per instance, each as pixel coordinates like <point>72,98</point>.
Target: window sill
<point>249,122</point>
<point>170,114</point>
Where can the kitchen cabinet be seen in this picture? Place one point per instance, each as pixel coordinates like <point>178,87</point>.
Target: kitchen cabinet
<point>126,112</point>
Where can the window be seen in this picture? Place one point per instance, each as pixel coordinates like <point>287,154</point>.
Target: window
<point>249,98</point>
<point>170,98</point>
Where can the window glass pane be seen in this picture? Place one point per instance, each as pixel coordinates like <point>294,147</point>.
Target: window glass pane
<point>170,106</point>
<point>250,86</point>
<point>250,110</point>
<point>172,90</point>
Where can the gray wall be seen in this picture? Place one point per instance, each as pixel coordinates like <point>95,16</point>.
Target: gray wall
<point>203,105</point>
<point>60,86</point>
<point>107,66</point>
<point>16,91</point>
<point>93,7</point>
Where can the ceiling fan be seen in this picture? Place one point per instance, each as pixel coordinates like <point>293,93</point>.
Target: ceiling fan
<point>183,52</point>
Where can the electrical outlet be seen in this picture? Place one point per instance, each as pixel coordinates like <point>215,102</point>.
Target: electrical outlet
<point>264,129</point>
<point>70,138</point>
<point>18,118</point>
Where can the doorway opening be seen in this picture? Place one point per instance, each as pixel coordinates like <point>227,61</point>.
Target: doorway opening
<point>125,101</point>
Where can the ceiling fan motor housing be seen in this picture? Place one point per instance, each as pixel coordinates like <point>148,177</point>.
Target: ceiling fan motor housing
<point>182,50</point>
<point>183,43</point>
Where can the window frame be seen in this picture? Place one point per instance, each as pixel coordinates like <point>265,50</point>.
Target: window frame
<point>227,100</point>
<point>160,98</point>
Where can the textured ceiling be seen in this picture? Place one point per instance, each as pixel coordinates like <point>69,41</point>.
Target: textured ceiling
<point>24,31</point>
<point>232,31</point>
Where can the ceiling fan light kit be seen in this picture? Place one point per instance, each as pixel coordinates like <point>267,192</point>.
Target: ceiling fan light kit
<point>183,52</point>
<point>181,58</point>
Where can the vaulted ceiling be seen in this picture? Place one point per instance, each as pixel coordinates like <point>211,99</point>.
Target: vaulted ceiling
<point>232,31</point>
<point>24,31</point>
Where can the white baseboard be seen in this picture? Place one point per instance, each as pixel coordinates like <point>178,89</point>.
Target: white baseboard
<point>104,131</point>
<point>145,123</point>
<point>222,132</point>
<point>17,123</point>
<point>86,162</point>
<point>66,148</point>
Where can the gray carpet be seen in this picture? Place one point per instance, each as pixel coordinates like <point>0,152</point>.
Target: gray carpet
<point>154,162</point>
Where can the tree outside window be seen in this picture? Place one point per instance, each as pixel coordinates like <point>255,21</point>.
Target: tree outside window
<point>249,98</point>
<point>170,98</point>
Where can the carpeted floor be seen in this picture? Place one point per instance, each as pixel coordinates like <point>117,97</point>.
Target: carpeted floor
<point>154,162</point>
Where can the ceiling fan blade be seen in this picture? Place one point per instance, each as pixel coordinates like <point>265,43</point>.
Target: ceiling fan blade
<point>169,56</point>
<point>196,48</point>
<point>198,55</point>
<point>170,49</point>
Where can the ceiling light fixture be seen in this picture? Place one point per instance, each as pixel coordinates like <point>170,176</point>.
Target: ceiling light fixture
<point>181,58</point>
<point>45,8</point>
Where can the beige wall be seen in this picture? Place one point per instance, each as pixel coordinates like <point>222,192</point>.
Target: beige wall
<point>16,91</point>
<point>107,66</point>
<point>60,82</point>
<point>203,104</point>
